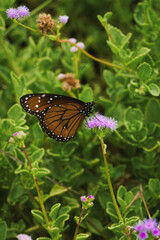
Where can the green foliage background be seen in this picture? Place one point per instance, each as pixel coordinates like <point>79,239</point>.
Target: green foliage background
<point>30,63</point>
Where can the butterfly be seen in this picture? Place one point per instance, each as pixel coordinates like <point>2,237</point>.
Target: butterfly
<point>59,116</point>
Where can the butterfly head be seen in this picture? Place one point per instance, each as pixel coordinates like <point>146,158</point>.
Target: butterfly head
<point>88,108</point>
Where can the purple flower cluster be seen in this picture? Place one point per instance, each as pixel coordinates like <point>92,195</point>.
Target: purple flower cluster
<point>89,197</point>
<point>147,227</point>
<point>17,135</point>
<point>79,44</point>
<point>87,202</point>
<point>18,13</point>
<point>101,121</point>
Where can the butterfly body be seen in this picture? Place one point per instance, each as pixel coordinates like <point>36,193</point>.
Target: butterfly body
<point>59,116</point>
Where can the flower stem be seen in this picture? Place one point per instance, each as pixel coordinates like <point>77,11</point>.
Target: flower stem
<point>76,231</point>
<point>93,57</point>
<point>82,50</point>
<point>37,187</point>
<point>126,231</point>
<point>109,180</point>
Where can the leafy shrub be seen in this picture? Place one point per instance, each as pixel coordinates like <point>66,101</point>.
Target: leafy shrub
<point>126,87</point>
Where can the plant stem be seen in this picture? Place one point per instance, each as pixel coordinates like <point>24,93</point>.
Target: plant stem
<point>109,180</point>
<point>94,58</point>
<point>126,231</point>
<point>76,231</point>
<point>37,187</point>
<point>82,50</point>
<point>143,199</point>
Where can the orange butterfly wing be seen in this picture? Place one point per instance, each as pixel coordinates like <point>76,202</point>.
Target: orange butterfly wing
<point>59,116</point>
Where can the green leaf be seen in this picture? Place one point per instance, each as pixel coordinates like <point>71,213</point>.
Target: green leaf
<point>6,4</point>
<point>150,143</point>
<point>130,221</point>
<point>111,211</point>
<point>60,221</point>
<point>144,71</point>
<point>140,135</point>
<point>152,111</point>
<point>109,78</point>
<point>57,190</point>
<point>53,153</point>
<point>152,17</point>
<point>91,225</point>
<point>154,186</point>
<point>86,95</point>
<point>54,211</point>
<point>104,20</point>
<point>3,230</point>
<point>38,215</point>
<point>64,210</point>
<point>16,192</point>
<point>133,114</point>
<point>116,226</point>
<point>117,40</point>
<point>153,89</point>
<point>139,14</point>
<point>54,233</point>
<point>15,113</point>
<point>37,134</point>
<point>82,236</point>
<point>138,56</point>
<point>44,63</point>
<point>69,148</point>
<point>42,172</point>
<point>120,197</point>
<point>37,155</point>
<point>16,85</point>
<point>32,43</point>
<point>2,25</point>
<point>43,238</point>
<point>134,119</point>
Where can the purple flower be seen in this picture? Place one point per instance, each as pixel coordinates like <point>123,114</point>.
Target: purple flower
<point>12,13</point>
<point>147,225</point>
<point>73,40</point>
<point>24,237</point>
<point>156,232</point>
<point>91,197</point>
<point>81,45</point>
<point>63,19</point>
<point>23,11</point>
<point>139,228</point>
<point>19,134</point>
<point>61,76</point>
<point>74,49</point>
<point>143,235</point>
<point>87,202</point>
<point>150,224</point>
<point>101,121</point>
<point>19,13</point>
<point>15,134</point>
<point>83,198</point>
